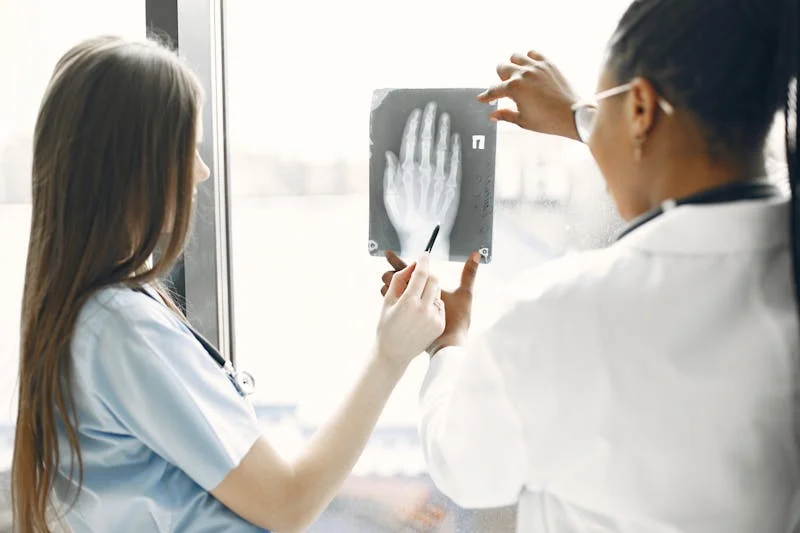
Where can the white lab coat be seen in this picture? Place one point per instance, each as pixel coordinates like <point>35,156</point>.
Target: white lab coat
<point>643,388</point>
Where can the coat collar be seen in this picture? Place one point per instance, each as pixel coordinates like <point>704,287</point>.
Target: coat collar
<point>714,229</point>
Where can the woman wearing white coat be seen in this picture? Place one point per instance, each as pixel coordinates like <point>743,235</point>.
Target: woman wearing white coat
<point>646,387</point>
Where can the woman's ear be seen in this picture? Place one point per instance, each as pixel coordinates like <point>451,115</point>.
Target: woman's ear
<point>641,109</point>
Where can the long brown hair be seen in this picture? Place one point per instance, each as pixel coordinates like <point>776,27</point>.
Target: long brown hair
<point>114,153</point>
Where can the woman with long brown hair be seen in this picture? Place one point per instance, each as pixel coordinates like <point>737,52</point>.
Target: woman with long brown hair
<point>125,424</point>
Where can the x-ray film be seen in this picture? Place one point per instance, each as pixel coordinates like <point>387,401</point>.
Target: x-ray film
<point>432,161</point>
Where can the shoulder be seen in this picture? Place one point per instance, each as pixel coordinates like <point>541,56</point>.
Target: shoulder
<point>127,338</point>
<point>568,294</point>
<point>554,319</point>
<point>120,307</point>
<point>119,316</point>
<point>574,276</point>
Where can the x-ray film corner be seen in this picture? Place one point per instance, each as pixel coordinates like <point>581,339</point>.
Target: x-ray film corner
<point>378,96</point>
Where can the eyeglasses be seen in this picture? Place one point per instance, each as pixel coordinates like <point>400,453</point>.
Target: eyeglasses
<point>585,112</point>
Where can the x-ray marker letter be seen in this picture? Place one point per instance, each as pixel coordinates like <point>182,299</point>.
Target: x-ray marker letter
<point>478,142</point>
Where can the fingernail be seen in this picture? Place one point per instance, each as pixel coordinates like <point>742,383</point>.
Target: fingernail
<point>476,258</point>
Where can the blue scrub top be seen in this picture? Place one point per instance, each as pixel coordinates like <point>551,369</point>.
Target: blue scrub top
<point>160,423</point>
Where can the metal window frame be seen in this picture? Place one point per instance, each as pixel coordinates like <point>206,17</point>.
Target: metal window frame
<point>202,280</point>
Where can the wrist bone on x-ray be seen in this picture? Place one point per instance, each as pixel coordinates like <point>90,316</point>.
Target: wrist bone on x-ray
<point>433,179</point>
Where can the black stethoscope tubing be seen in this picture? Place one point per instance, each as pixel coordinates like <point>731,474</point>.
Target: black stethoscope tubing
<point>242,380</point>
<point>758,189</point>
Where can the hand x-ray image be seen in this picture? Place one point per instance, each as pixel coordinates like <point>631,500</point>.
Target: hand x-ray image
<point>432,162</point>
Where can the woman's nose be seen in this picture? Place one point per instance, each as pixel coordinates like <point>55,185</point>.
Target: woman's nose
<point>201,170</point>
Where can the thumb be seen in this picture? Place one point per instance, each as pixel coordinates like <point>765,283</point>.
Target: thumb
<point>506,115</point>
<point>470,272</point>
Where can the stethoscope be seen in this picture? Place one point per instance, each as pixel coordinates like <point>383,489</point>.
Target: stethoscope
<point>754,189</point>
<point>244,382</point>
<point>757,189</point>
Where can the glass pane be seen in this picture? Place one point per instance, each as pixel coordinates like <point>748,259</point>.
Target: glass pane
<point>300,81</point>
<point>33,35</point>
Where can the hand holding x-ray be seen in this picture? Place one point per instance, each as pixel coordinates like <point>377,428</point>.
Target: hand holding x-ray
<point>422,187</point>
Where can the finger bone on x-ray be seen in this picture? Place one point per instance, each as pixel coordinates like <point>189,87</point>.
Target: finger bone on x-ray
<point>441,145</point>
<point>441,156</point>
<point>410,139</point>
<point>391,187</point>
<point>450,186</point>
<point>418,132</point>
<point>426,137</point>
<point>451,190</point>
<point>415,178</point>
<point>455,161</point>
<point>425,167</point>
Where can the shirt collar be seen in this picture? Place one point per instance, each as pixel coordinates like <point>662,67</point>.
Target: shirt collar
<point>715,229</point>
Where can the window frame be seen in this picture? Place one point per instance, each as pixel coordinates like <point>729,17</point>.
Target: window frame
<point>202,279</point>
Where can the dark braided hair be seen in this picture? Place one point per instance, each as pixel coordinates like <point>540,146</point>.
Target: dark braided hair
<point>728,62</point>
<point>732,64</point>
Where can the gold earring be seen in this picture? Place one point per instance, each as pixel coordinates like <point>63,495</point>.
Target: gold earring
<point>637,151</point>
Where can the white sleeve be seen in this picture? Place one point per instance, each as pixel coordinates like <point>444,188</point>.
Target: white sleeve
<point>471,433</point>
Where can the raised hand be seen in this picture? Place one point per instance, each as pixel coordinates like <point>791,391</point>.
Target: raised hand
<point>422,187</point>
<point>543,96</point>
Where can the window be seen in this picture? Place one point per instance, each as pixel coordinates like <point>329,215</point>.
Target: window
<point>305,291</point>
<point>33,35</point>
<point>299,82</point>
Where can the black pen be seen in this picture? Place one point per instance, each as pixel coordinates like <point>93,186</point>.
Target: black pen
<point>432,239</point>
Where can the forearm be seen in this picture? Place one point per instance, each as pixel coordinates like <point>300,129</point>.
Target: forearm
<point>337,445</point>
<point>470,433</point>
